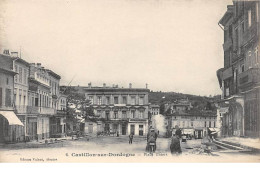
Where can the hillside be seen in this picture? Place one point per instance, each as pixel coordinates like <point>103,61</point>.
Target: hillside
<point>198,102</point>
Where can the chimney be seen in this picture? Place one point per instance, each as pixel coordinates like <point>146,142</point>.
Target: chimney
<point>146,86</point>
<point>130,85</point>
<point>6,52</point>
<point>39,65</point>
<point>104,85</point>
<point>14,54</point>
<point>116,86</point>
<point>89,85</point>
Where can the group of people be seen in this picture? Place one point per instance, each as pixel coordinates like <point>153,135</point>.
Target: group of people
<point>152,136</point>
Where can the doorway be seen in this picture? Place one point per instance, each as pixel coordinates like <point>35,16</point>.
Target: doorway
<point>123,129</point>
<point>141,130</point>
<point>132,129</point>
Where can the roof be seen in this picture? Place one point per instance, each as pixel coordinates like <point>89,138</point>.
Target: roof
<point>110,89</point>
<point>17,59</point>
<point>8,71</point>
<point>154,106</point>
<point>53,74</point>
<point>228,14</point>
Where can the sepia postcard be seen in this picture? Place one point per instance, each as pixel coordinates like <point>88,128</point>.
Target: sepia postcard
<point>129,81</point>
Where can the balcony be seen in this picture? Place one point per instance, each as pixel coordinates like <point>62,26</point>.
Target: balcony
<point>227,44</point>
<point>40,110</point>
<point>250,33</point>
<point>61,112</point>
<point>249,78</point>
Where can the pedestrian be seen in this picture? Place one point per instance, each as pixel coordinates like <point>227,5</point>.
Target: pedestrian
<point>175,146</point>
<point>158,132</point>
<point>131,136</point>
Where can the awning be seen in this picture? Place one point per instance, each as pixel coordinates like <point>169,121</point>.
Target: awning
<point>11,117</point>
<point>214,130</point>
<point>227,73</point>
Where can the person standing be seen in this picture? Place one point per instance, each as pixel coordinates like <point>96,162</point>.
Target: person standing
<point>131,136</point>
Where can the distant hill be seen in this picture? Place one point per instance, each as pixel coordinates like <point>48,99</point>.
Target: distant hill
<point>198,102</point>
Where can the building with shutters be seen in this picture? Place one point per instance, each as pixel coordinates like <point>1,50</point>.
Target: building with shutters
<point>8,118</point>
<point>239,79</point>
<point>119,110</point>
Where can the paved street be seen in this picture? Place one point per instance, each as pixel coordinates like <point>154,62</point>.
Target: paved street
<point>86,148</point>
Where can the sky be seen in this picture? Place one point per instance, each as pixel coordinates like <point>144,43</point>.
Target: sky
<point>172,45</point>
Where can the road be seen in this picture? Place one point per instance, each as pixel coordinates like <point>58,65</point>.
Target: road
<point>110,147</point>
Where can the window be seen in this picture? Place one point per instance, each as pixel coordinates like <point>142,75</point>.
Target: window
<point>99,113</point>
<point>205,125</point>
<point>124,114</point>
<point>20,75</point>
<point>16,70</point>
<point>99,100</point>
<point>108,100</point>
<point>141,114</point>
<point>141,100</point>
<point>124,100</point>
<point>24,100</point>
<point>25,76</point>
<point>8,102</point>
<point>230,31</point>
<point>116,115</point>
<point>191,124</point>
<point>249,18</point>
<point>107,115</point>
<point>91,99</point>
<point>1,97</point>
<point>214,124</point>
<point>133,100</point>
<point>115,100</point>
<point>132,114</point>
<point>257,12</point>
<point>256,56</point>
<point>243,27</point>
<point>7,81</point>
<point>210,124</point>
<point>242,68</point>
<point>236,36</point>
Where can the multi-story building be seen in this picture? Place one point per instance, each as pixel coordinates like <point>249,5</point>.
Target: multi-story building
<point>178,105</point>
<point>43,119</point>
<point>240,77</point>
<point>21,87</point>
<point>121,110</point>
<point>192,122</point>
<point>57,121</point>
<point>8,119</point>
<point>154,109</point>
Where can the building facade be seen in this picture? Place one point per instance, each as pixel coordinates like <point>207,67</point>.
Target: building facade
<point>154,109</point>
<point>8,119</point>
<point>120,110</point>
<point>239,78</point>
<point>195,124</point>
<point>191,121</point>
<point>21,87</point>
<point>44,121</point>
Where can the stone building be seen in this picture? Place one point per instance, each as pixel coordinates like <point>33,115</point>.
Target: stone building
<point>122,110</point>
<point>8,119</point>
<point>192,122</point>
<point>43,119</point>
<point>21,87</point>
<point>239,78</point>
<point>154,109</point>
